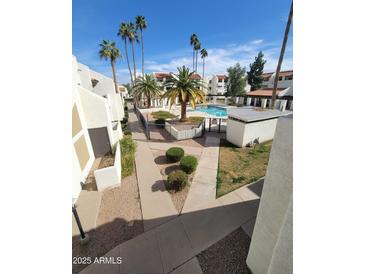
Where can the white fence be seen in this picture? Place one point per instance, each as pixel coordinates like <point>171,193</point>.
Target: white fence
<point>110,176</point>
<point>184,134</point>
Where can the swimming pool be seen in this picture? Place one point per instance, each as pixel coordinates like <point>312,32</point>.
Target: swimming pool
<point>212,110</point>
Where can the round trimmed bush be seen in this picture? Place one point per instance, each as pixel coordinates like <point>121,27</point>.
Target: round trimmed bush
<point>177,180</point>
<point>174,154</point>
<point>188,164</point>
<point>160,122</point>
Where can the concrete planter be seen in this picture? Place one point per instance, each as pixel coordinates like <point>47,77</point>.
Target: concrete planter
<point>184,134</point>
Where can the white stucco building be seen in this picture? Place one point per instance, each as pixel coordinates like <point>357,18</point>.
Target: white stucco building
<point>96,114</point>
<point>247,125</point>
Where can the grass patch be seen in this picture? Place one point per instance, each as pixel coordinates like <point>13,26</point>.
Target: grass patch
<point>196,119</point>
<point>128,148</point>
<point>240,166</point>
<point>161,114</point>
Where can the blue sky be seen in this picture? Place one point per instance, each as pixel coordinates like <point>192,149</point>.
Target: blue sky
<point>232,31</point>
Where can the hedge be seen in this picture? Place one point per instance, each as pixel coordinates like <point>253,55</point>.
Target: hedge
<point>188,164</point>
<point>174,154</point>
<point>177,180</point>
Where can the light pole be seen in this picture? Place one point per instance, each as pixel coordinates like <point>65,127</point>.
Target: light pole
<point>84,237</point>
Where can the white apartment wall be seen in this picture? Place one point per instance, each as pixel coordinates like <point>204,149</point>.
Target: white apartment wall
<point>84,76</point>
<point>97,112</point>
<point>271,244</point>
<point>240,133</point>
<point>79,175</point>
<point>116,106</point>
<point>104,86</point>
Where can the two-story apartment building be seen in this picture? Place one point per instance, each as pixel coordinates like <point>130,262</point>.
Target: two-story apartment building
<point>96,114</point>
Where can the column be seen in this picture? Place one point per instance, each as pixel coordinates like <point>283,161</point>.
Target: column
<point>255,102</point>
<point>248,103</point>
<point>225,100</point>
<point>237,99</point>
<point>263,103</point>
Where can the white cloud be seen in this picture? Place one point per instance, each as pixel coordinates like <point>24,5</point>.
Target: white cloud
<point>219,59</point>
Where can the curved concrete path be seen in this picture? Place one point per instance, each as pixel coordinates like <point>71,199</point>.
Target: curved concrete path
<point>156,204</point>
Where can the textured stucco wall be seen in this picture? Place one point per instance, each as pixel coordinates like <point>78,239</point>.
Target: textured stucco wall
<point>240,133</point>
<point>272,236</point>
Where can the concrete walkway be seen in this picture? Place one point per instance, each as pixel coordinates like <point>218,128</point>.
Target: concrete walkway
<point>88,205</point>
<point>203,187</point>
<point>156,204</point>
<point>172,247</point>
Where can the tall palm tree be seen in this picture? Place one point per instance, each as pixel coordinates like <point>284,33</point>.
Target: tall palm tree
<point>108,50</point>
<point>124,33</point>
<point>283,46</point>
<point>148,86</point>
<point>141,24</point>
<point>185,87</point>
<point>133,37</point>
<point>203,55</point>
<point>197,47</point>
<point>193,40</point>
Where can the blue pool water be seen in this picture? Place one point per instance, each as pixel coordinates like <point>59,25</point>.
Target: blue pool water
<point>213,110</point>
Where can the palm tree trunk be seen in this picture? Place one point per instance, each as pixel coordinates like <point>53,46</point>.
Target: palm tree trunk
<point>193,58</point>
<point>287,29</point>
<point>196,62</point>
<point>127,56</point>
<point>203,73</point>
<point>148,101</point>
<point>134,61</point>
<point>183,112</point>
<point>114,77</point>
<point>142,53</point>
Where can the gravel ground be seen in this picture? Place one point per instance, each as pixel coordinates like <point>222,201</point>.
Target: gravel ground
<point>178,197</point>
<point>119,219</point>
<point>228,256</point>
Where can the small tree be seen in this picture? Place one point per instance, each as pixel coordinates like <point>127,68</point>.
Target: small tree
<point>256,70</point>
<point>236,81</point>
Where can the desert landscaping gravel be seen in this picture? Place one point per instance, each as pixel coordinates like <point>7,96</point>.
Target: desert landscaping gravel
<point>119,220</point>
<point>228,256</point>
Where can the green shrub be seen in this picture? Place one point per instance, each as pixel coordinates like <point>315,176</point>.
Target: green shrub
<point>177,180</point>
<point>128,148</point>
<point>196,119</point>
<point>161,114</point>
<point>174,154</point>
<point>126,108</point>
<point>127,132</point>
<point>188,164</point>
<point>127,145</point>
<point>125,120</point>
<point>160,122</point>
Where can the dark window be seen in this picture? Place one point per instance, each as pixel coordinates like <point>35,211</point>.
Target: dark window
<point>290,77</point>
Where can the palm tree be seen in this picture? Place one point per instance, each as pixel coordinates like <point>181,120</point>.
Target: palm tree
<point>141,24</point>
<point>108,50</point>
<point>193,40</point>
<point>283,46</point>
<point>203,55</point>
<point>133,36</point>
<point>148,86</point>
<point>185,87</point>
<point>124,33</point>
<point>197,47</point>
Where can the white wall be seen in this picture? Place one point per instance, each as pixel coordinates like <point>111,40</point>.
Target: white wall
<point>105,84</point>
<point>271,244</point>
<point>84,74</point>
<point>234,132</point>
<point>79,175</point>
<point>240,133</point>
<point>110,176</point>
<point>116,106</point>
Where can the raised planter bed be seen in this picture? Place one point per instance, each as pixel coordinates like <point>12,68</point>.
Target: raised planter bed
<point>183,131</point>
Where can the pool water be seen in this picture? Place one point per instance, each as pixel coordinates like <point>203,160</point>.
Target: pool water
<point>212,110</point>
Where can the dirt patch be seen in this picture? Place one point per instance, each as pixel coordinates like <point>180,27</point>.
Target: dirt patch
<point>178,197</point>
<point>106,161</point>
<point>119,220</point>
<point>227,256</point>
<point>240,166</point>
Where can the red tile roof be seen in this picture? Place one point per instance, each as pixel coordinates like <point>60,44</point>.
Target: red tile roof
<point>282,73</point>
<point>222,77</point>
<point>264,92</point>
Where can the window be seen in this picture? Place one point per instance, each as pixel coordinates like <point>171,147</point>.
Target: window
<point>290,77</point>
<point>280,78</point>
